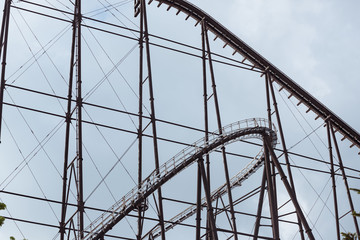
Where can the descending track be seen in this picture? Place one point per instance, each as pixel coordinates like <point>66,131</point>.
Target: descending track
<point>263,64</point>
<point>250,128</point>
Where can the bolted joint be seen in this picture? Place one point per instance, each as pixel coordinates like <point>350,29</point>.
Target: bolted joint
<point>79,102</point>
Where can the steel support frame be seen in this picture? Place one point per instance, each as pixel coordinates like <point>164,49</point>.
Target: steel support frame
<point>260,205</point>
<point>77,162</point>
<point>217,110</point>
<point>288,188</point>
<point>342,169</point>
<point>210,210</point>
<point>140,117</point>
<point>206,115</point>
<point>271,195</point>
<point>198,205</point>
<point>333,180</point>
<point>152,109</point>
<point>283,143</point>
<point>3,54</point>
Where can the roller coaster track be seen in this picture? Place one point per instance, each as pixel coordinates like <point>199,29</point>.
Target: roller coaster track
<point>259,62</point>
<point>250,128</point>
<point>235,181</point>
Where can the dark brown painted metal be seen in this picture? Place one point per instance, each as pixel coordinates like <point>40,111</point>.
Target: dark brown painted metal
<point>333,180</point>
<point>79,123</point>
<point>341,166</point>
<point>3,54</point>
<point>284,148</point>
<point>153,117</point>
<point>138,5</point>
<point>262,63</point>
<point>260,205</point>
<point>268,103</point>
<point>273,171</point>
<point>217,110</point>
<point>271,196</point>
<point>198,204</point>
<point>206,116</point>
<point>66,187</point>
<point>289,189</point>
<point>214,234</point>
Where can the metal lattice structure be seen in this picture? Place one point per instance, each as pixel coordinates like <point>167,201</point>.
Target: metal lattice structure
<point>87,156</point>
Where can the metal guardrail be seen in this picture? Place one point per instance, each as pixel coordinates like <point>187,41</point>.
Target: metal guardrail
<point>235,181</point>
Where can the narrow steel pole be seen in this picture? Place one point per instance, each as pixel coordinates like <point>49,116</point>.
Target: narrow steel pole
<point>3,53</point>
<point>271,197</point>
<point>301,231</point>
<point>260,205</point>
<point>198,205</point>
<point>206,115</point>
<point>140,128</point>
<point>268,103</point>
<point>345,180</point>
<point>217,110</point>
<point>332,172</point>
<point>208,200</point>
<point>267,77</point>
<point>79,122</point>
<point>289,189</point>
<point>153,117</point>
<point>65,189</point>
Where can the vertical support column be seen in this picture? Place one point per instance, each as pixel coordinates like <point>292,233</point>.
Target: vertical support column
<point>75,67</point>
<point>79,122</point>
<point>267,77</point>
<point>301,231</point>
<point>345,180</point>
<point>271,195</point>
<point>208,200</point>
<point>3,53</point>
<point>140,127</point>
<point>206,116</point>
<point>198,204</point>
<point>217,109</point>
<point>332,172</point>
<point>153,118</point>
<point>67,138</point>
<point>260,205</point>
<point>288,188</point>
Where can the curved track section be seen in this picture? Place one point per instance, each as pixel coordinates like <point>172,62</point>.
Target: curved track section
<point>264,65</point>
<point>250,128</point>
<point>235,181</point>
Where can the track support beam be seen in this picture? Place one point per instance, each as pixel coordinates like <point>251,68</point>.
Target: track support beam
<point>217,110</point>
<point>3,54</point>
<point>289,189</point>
<point>74,169</point>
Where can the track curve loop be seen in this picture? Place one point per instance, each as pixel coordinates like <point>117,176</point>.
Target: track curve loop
<point>245,129</point>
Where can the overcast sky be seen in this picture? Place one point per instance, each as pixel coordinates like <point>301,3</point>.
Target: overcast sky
<point>313,42</point>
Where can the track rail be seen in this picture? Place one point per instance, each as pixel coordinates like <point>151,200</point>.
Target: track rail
<point>250,128</point>
<point>263,64</point>
<point>235,181</point>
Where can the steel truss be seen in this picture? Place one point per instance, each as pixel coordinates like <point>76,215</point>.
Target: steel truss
<point>205,210</point>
